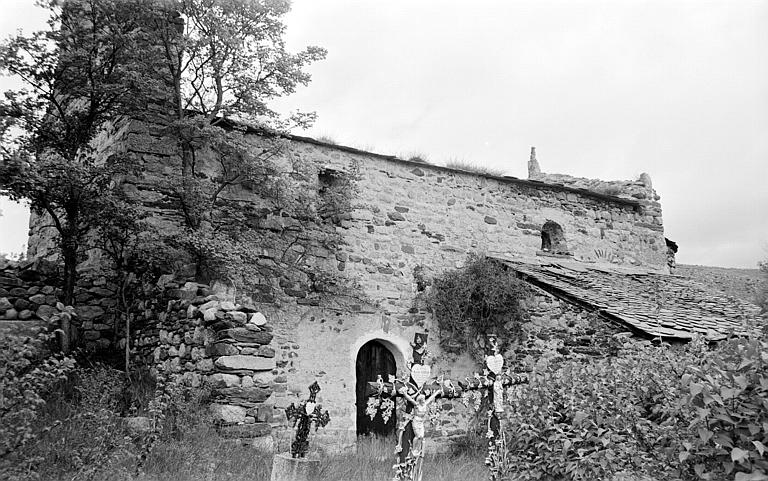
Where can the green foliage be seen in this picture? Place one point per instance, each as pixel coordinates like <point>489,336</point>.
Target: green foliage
<point>27,375</point>
<point>79,78</point>
<point>700,415</point>
<point>90,438</point>
<point>727,394</point>
<point>584,420</point>
<point>74,429</point>
<point>481,297</point>
<point>225,60</point>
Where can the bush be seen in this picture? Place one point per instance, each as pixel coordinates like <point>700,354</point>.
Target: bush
<point>728,395</point>
<point>591,419</point>
<point>72,426</point>
<point>671,412</point>
<point>481,297</point>
<point>28,372</point>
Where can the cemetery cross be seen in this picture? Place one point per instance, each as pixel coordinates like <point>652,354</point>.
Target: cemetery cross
<point>307,412</point>
<point>419,394</point>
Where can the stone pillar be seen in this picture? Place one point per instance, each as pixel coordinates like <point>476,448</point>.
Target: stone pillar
<point>533,165</point>
<point>286,468</point>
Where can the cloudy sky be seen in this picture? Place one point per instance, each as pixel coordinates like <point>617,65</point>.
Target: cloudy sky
<point>604,89</point>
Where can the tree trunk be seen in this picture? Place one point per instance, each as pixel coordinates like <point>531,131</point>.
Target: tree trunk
<point>127,343</point>
<point>69,253</point>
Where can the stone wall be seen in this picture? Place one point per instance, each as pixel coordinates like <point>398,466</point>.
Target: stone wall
<point>28,296</point>
<point>192,336</point>
<point>640,189</point>
<point>556,330</point>
<point>408,222</point>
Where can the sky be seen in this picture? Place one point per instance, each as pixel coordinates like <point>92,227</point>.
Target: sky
<point>602,89</point>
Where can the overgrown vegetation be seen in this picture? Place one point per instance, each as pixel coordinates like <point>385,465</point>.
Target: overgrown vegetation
<point>62,420</point>
<point>701,415</point>
<point>481,297</point>
<point>26,377</point>
<point>419,157</point>
<point>66,419</point>
<point>327,139</point>
<point>80,78</point>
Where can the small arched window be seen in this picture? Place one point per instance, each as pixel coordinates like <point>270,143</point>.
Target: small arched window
<point>553,238</point>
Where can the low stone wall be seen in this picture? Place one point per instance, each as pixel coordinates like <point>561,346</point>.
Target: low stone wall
<point>193,336</point>
<point>28,297</point>
<point>556,330</point>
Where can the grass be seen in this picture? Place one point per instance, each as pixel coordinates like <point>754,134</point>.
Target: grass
<point>470,167</point>
<point>90,441</point>
<point>204,456</point>
<point>327,139</point>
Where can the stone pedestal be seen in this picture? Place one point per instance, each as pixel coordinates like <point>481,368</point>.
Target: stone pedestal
<point>286,468</point>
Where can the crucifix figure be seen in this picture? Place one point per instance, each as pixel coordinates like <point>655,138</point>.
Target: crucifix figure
<point>307,413</point>
<point>419,416</point>
<point>420,391</point>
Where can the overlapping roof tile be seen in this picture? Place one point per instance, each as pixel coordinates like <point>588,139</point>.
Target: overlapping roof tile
<point>655,304</point>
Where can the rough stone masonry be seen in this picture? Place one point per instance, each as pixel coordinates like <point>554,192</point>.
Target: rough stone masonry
<point>408,221</point>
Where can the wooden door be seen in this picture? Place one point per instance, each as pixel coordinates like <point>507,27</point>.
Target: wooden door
<point>373,359</point>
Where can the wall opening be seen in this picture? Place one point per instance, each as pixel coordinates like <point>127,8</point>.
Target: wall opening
<point>553,238</point>
<point>373,358</point>
<point>333,192</point>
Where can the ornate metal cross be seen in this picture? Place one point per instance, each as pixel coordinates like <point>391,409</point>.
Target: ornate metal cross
<point>307,412</point>
<point>420,396</point>
<point>491,385</point>
<point>420,390</point>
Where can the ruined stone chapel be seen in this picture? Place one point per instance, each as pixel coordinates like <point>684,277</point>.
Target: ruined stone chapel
<point>592,253</point>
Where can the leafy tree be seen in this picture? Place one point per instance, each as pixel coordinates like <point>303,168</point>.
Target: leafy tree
<point>135,254</point>
<point>198,72</point>
<point>222,62</point>
<point>80,76</point>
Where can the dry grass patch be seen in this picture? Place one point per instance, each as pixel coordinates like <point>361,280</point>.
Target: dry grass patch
<point>471,167</point>
<point>204,456</point>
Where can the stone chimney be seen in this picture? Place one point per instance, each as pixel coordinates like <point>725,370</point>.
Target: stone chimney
<point>533,165</point>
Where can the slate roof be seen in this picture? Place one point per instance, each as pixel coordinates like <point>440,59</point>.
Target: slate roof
<point>630,297</point>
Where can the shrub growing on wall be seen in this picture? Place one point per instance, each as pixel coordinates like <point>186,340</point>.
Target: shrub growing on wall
<point>483,296</point>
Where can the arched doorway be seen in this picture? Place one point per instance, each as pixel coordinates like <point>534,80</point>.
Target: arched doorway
<point>373,359</point>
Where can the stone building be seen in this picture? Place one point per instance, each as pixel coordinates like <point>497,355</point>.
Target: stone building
<point>592,252</point>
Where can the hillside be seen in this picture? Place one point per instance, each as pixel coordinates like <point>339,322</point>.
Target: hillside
<point>740,283</point>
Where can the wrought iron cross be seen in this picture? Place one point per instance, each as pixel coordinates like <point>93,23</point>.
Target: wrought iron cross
<point>419,390</point>
<point>307,413</point>
<point>491,385</point>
